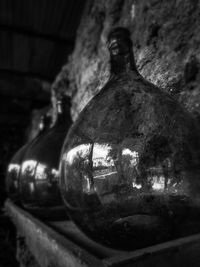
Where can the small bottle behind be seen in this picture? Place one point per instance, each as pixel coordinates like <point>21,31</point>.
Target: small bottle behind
<point>39,190</point>
<point>14,167</point>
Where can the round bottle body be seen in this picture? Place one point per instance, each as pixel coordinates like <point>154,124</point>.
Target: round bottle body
<point>130,166</point>
<point>39,173</point>
<point>14,167</point>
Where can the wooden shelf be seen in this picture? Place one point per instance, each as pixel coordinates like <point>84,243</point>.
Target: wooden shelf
<point>61,243</point>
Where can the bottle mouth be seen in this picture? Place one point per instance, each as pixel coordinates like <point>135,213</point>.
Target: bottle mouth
<point>113,44</point>
<point>119,41</point>
<point>118,46</point>
<point>58,102</point>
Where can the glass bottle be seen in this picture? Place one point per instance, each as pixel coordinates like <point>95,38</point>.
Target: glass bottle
<point>39,173</point>
<point>13,169</point>
<point>130,164</point>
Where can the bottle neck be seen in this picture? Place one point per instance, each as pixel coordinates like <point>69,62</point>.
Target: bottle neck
<point>123,63</point>
<point>44,125</point>
<point>60,113</point>
<point>63,114</point>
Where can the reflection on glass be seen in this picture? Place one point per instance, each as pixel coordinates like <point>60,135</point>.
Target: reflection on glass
<point>158,183</point>
<point>12,180</point>
<point>80,151</point>
<point>41,172</point>
<point>133,156</point>
<point>13,167</point>
<point>109,182</point>
<point>12,175</point>
<point>32,187</point>
<point>28,167</point>
<point>103,168</point>
<point>39,184</point>
<point>137,186</point>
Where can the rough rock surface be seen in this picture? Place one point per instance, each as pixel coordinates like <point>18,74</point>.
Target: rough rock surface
<point>166,46</point>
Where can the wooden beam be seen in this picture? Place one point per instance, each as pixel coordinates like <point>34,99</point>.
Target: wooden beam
<point>34,34</point>
<point>28,74</point>
<point>10,119</point>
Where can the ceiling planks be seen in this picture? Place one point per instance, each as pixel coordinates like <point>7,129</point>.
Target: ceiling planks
<point>36,36</point>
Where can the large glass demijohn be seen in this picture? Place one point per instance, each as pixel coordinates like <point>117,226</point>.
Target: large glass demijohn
<point>14,167</point>
<point>39,173</point>
<point>130,165</point>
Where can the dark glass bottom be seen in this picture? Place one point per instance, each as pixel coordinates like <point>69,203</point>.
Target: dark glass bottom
<point>137,221</point>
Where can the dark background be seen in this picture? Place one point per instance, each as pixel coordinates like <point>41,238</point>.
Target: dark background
<point>53,46</point>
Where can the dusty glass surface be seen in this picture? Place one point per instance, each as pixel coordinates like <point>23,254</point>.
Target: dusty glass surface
<point>130,172</point>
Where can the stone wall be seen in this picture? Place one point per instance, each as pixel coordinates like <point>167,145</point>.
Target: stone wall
<point>166,45</point>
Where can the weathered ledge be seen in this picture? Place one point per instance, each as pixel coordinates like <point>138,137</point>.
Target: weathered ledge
<point>61,244</point>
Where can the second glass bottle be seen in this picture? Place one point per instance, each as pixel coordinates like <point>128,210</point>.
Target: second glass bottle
<point>39,172</point>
